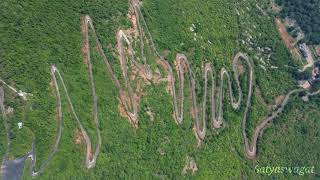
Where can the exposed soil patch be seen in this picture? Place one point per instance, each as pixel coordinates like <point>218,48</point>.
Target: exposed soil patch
<point>189,166</point>
<point>241,69</point>
<point>166,53</point>
<point>122,111</point>
<point>52,85</point>
<point>78,137</point>
<point>287,39</point>
<point>279,100</point>
<point>132,17</point>
<point>85,46</point>
<point>274,7</point>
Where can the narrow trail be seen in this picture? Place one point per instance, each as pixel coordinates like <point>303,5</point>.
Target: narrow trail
<point>199,113</point>
<point>129,97</point>
<point>55,74</point>
<point>217,117</point>
<point>5,122</point>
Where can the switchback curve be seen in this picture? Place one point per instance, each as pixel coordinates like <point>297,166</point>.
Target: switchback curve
<point>130,98</point>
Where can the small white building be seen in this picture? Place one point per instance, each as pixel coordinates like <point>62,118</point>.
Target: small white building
<point>20,124</point>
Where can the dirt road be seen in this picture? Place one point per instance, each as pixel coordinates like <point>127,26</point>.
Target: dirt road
<point>130,98</point>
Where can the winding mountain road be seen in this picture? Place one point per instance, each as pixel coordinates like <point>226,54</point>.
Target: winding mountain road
<point>130,97</point>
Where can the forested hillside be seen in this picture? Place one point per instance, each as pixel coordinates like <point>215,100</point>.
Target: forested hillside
<point>307,15</point>
<point>37,34</point>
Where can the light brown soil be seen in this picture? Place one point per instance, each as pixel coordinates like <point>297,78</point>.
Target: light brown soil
<point>287,39</point>
<point>190,166</point>
<point>52,85</point>
<point>241,69</point>
<point>84,27</point>
<point>122,111</point>
<point>279,100</point>
<point>83,50</point>
<point>85,47</point>
<point>132,17</point>
<point>166,53</point>
<point>78,137</point>
<point>274,7</point>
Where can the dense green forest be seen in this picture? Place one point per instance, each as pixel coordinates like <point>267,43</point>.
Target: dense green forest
<point>38,33</point>
<point>307,15</point>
